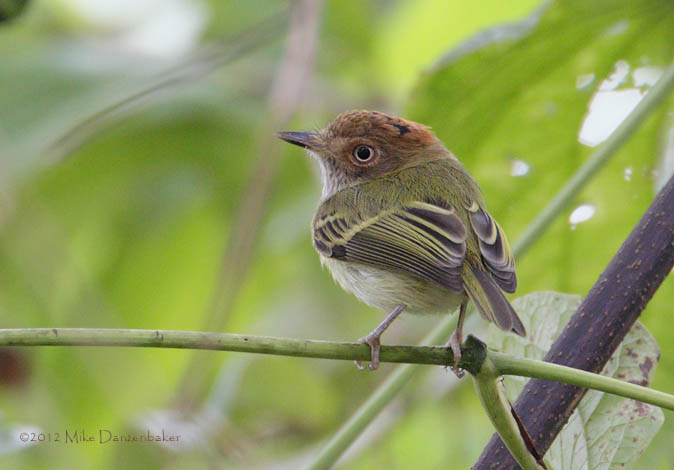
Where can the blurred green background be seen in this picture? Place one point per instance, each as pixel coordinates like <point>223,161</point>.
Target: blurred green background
<point>123,218</point>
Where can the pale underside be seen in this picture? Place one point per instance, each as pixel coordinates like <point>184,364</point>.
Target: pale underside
<point>385,289</point>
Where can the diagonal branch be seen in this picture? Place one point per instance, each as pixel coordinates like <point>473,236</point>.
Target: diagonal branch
<point>491,392</point>
<point>594,332</point>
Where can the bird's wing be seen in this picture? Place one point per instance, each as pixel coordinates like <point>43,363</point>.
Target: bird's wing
<point>417,238</point>
<point>494,248</point>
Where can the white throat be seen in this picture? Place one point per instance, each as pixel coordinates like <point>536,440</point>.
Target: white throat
<point>330,181</point>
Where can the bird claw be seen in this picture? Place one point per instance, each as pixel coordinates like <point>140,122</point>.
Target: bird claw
<point>455,345</point>
<point>375,346</point>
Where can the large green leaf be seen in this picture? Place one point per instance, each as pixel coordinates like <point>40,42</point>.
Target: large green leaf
<point>605,431</point>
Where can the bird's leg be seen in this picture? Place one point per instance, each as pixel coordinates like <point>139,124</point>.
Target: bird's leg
<point>373,338</point>
<point>456,339</point>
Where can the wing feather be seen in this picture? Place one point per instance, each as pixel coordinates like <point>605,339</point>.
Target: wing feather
<point>418,238</point>
<point>494,248</point>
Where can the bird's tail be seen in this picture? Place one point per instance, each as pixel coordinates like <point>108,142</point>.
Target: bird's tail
<point>490,301</point>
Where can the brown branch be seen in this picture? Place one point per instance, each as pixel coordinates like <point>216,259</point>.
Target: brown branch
<point>594,332</point>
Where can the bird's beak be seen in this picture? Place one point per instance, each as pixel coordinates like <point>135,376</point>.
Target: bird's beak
<point>307,140</point>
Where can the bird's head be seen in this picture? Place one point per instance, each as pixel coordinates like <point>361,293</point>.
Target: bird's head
<point>360,145</point>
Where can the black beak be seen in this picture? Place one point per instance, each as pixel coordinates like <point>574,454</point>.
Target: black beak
<point>307,140</point>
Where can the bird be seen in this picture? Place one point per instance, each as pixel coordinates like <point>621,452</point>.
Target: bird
<point>403,225</point>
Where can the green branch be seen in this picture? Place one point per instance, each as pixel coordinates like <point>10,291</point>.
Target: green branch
<point>492,396</point>
<point>508,365</point>
<point>220,342</point>
<point>473,358</point>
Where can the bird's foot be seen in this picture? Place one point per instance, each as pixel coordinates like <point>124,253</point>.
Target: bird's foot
<point>455,345</point>
<point>372,340</point>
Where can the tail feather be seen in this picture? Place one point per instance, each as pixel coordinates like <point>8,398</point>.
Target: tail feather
<point>490,301</point>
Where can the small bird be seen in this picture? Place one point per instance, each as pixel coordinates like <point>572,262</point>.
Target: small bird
<point>402,225</point>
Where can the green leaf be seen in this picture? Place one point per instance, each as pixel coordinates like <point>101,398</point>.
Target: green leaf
<point>605,431</point>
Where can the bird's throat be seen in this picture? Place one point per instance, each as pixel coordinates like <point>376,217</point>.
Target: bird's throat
<point>333,177</point>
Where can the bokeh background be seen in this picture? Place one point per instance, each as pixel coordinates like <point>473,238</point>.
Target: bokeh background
<point>141,187</point>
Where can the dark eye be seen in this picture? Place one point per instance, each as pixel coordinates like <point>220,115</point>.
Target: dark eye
<point>363,153</point>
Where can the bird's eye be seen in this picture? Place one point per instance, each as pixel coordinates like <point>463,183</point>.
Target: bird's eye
<point>363,153</point>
